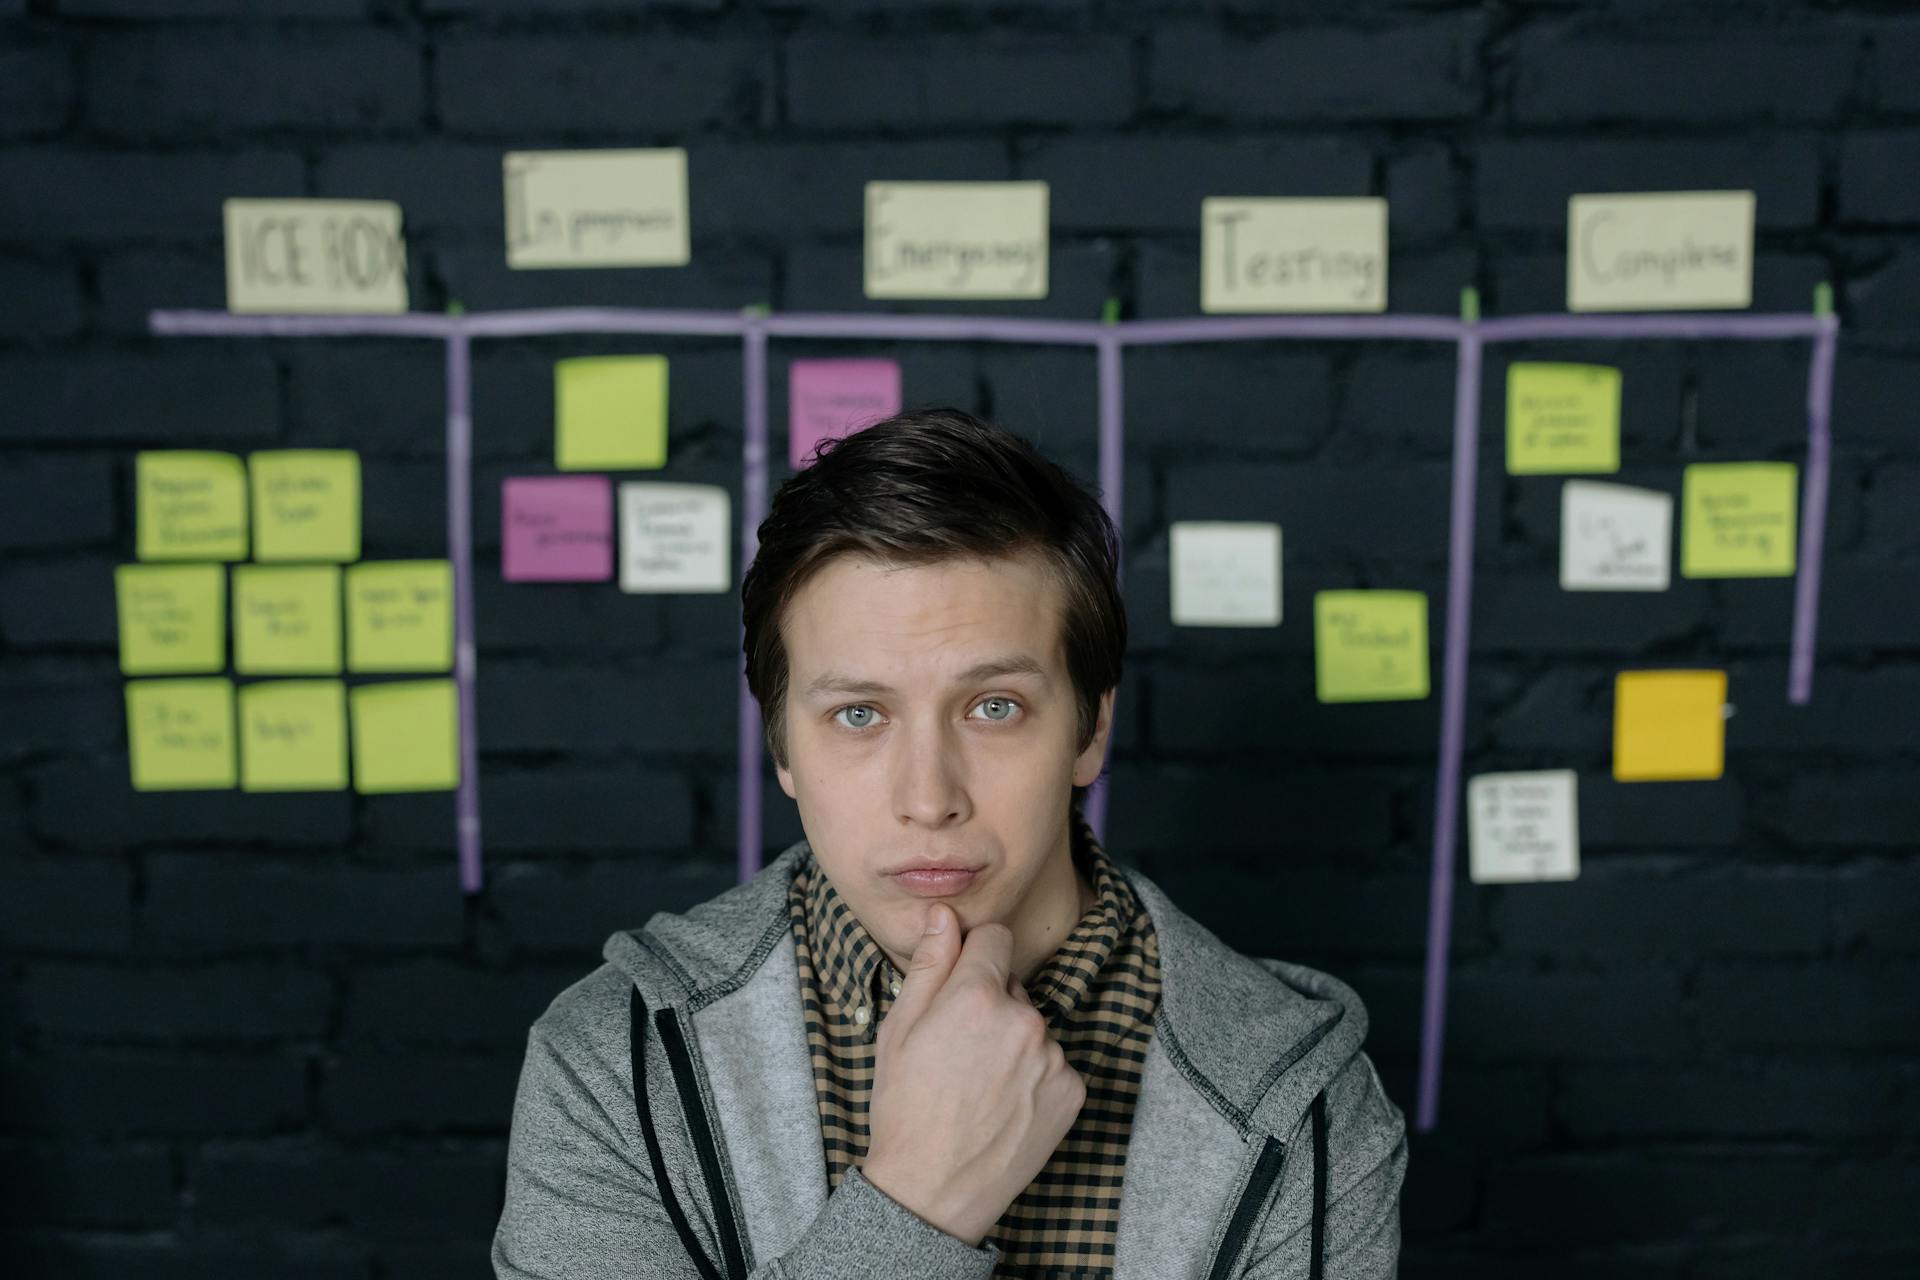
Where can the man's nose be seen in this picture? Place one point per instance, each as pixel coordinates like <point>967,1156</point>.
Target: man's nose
<point>929,778</point>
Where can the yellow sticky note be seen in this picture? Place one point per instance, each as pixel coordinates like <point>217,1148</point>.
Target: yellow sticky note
<point>406,736</point>
<point>1562,419</point>
<point>180,734</point>
<point>400,615</point>
<point>286,621</point>
<point>306,504</point>
<point>190,505</point>
<point>1370,646</point>
<point>1669,725</point>
<point>610,413</point>
<point>173,618</point>
<point>293,735</point>
<point>1738,519</point>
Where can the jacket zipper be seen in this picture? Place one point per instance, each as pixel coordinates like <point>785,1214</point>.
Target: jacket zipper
<point>1265,1170</point>
<point>673,1037</point>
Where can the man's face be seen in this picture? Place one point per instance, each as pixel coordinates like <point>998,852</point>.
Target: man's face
<point>930,717</point>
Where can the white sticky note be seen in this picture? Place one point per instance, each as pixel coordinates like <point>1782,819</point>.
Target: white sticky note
<point>1293,254</point>
<point>1524,826</point>
<point>315,255</point>
<point>674,537</point>
<point>1660,251</point>
<point>956,240</point>
<point>1614,537</point>
<point>1226,573</point>
<point>610,208</point>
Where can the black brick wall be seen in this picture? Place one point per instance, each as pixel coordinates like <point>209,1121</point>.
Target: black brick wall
<point>264,1035</point>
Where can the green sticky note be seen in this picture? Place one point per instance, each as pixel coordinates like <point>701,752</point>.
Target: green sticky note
<point>180,734</point>
<point>293,735</point>
<point>1370,646</point>
<point>405,736</point>
<point>173,618</point>
<point>1738,519</point>
<point>400,615</point>
<point>306,504</point>
<point>190,506</point>
<point>286,621</point>
<point>1562,419</point>
<point>610,413</point>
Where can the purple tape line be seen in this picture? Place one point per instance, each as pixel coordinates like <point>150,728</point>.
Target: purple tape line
<point>1813,513</point>
<point>1453,719</point>
<point>460,550</point>
<point>1112,471</point>
<point>753,509</point>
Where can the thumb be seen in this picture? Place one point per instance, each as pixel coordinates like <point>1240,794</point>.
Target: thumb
<point>927,972</point>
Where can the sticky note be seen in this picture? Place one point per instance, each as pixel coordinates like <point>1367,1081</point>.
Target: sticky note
<point>1562,418</point>
<point>293,735</point>
<point>405,736</point>
<point>190,505</point>
<point>610,413</point>
<point>1370,646</point>
<point>400,615</point>
<point>1293,254</point>
<point>286,619</point>
<point>306,504</point>
<point>1669,725</point>
<point>1660,250</point>
<point>180,734</point>
<point>611,207</point>
<point>173,618</point>
<point>1523,826</point>
<point>1738,519</point>
<point>1226,573</point>
<point>1614,537</point>
<point>956,240</point>
<point>556,529</point>
<point>674,537</point>
<point>829,399</point>
<point>315,256</point>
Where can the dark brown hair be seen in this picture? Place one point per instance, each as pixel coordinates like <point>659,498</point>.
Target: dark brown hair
<point>918,488</point>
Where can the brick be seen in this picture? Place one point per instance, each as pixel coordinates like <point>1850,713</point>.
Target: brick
<point>817,188</point>
<point>1422,193</point>
<point>1752,398</point>
<point>95,196</point>
<point>1324,512</point>
<point>45,300</point>
<point>91,1186</point>
<point>1572,75</point>
<point>1746,1100</point>
<point>1873,808</point>
<point>1524,184</point>
<point>1274,713</point>
<point>722,277</point>
<point>1152,812</point>
<point>1564,709</point>
<point>131,284</point>
<point>1877,182</point>
<point>984,81</point>
<point>56,501</point>
<point>1877,907</point>
<point>1081,196</point>
<point>576,909</point>
<point>1642,912</point>
<point>65,602</point>
<point>227,1002</point>
<point>556,812</point>
<point>368,1092</point>
<point>60,708</point>
<point>1526,612</point>
<point>1870,392</point>
<point>36,89</point>
<point>210,904</point>
<point>443,187</point>
<point>1667,815</point>
<point>153,1256</point>
<point>582,620</point>
<point>506,86</point>
<point>302,1184</point>
<point>1243,398</point>
<point>1879,300</point>
<point>1418,70</point>
<point>1840,1006</point>
<point>1894,48</point>
<point>1274,907</point>
<point>1627,1013</point>
<point>147,11</point>
<point>1855,713</point>
<point>92,806</point>
<point>387,399</point>
<point>175,399</point>
<point>66,905</point>
<point>119,1093</point>
<point>441,1003</point>
<point>154,86</point>
<point>665,707</point>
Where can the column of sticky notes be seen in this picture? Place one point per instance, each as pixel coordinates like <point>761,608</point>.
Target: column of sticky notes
<point>303,613</point>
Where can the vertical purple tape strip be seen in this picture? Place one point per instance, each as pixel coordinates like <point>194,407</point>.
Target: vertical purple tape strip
<point>1813,512</point>
<point>460,551</point>
<point>1453,718</point>
<point>1112,470</point>
<point>753,509</point>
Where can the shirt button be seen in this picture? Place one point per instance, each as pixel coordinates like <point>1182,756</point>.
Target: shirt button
<point>860,1015</point>
<point>896,988</point>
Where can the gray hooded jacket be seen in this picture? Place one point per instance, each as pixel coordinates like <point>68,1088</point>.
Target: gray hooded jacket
<point>1263,1145</point>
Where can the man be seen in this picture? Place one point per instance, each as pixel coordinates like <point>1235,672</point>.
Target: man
<point>944,1035</point>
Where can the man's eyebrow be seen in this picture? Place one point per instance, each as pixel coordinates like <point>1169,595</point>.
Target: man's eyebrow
<point>1011,665</point>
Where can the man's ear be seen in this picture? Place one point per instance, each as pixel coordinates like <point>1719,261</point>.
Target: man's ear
<point>786,780</point>
<point>1086,768</point>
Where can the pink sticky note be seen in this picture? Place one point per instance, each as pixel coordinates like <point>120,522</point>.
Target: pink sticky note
<point>836,398</point>
<point>556,529</point>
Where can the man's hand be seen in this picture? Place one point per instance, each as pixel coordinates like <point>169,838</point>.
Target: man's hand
<point>971,1095</point>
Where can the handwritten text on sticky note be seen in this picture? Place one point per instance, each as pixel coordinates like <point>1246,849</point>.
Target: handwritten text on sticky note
<point>1739,519</point>
<point>173,618</point>
<point>674,537</point>
<point>293,735</point>
<point>612,208</point>
<point>556,529</point>
<point>1614,537</point>
<point>1660,251</point>
<point>1370,645</point>
<point>831,399</point>
<point>1293,254</point>
<point>180,734</point>
<point>405,736</point>
<point>315,255</point>
<point>306,504</point>
<point>1225,573</point>
<point>286,619</point>
<point>610,413</point>
<point>190,505</point>
<point>1669,725</point>
<point>956,240</point>
<point>1523,826</point>
<point>1562,418</point>
<point>400,615</point>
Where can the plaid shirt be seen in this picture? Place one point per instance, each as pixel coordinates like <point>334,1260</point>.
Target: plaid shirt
<point>1099,993</point>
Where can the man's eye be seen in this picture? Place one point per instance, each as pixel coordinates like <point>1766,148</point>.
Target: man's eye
<point>1000,709</point>
<point>856,710</point>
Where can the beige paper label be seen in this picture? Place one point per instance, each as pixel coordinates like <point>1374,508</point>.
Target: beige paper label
<point>1293,254</point>
<point>956,240</point>
<point>1660,251</point>
<point>625,208</point>
<point>287,256</point>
